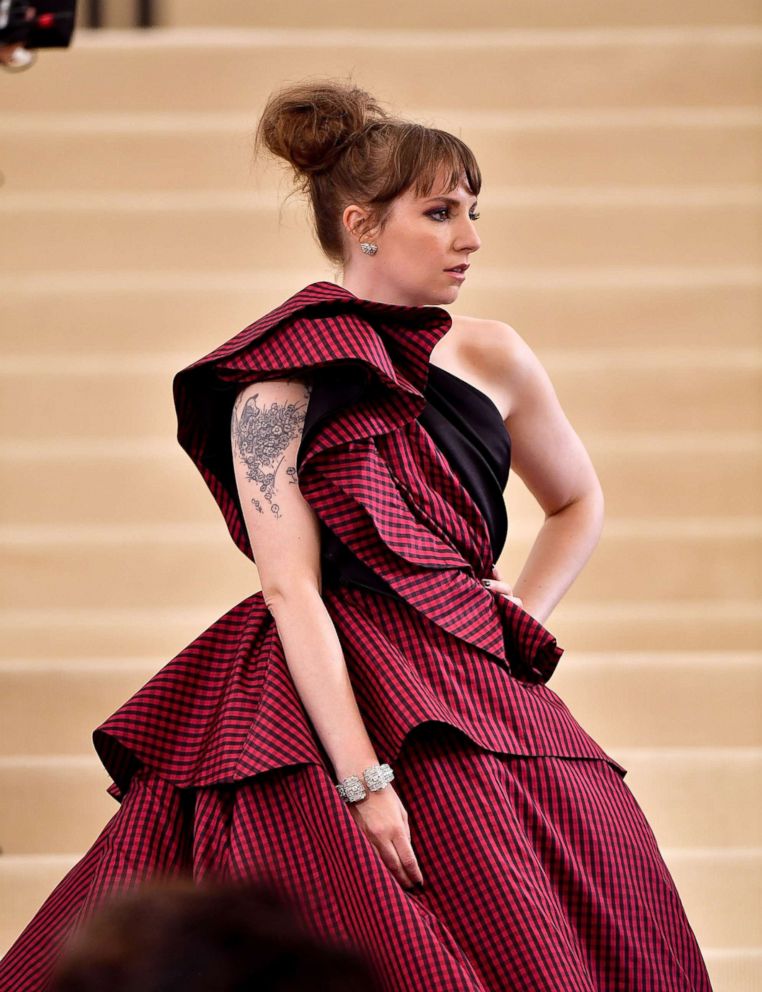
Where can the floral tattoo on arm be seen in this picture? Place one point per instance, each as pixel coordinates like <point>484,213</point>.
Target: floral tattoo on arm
<point>260,438</point>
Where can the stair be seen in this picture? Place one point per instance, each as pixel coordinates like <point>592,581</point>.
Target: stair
<point>621,147</point>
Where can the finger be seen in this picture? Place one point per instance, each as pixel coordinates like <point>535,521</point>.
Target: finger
<point>497,587</point>
<point>408,860</point>
<point>391,858</point>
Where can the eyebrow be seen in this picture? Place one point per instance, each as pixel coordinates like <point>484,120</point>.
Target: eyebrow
<point>449,199</point>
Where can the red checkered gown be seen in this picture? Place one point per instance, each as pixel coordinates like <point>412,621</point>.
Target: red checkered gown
<point>540,870</point>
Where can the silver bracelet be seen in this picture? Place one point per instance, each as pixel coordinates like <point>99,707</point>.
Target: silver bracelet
<point>352,790</point>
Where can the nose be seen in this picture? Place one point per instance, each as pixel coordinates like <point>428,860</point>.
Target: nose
<point>470,239</point>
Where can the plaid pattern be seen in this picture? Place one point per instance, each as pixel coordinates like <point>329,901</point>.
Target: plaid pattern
<point>215,761</point>
<point>539,873</point>
<point>445,648</point>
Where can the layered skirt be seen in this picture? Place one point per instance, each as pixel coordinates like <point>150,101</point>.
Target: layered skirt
<point>540,869</point>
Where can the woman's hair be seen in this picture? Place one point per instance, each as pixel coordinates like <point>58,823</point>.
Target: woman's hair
<point>345,148</point>
<point>179,936</point>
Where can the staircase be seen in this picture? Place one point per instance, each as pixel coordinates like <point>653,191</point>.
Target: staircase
<point>621,147</point>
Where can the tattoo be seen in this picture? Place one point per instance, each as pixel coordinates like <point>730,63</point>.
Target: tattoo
<point>261,437</point>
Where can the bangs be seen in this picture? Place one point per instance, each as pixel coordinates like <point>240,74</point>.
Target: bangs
<point>440,154</point>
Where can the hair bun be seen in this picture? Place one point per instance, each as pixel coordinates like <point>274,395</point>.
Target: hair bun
<point>310,124</point>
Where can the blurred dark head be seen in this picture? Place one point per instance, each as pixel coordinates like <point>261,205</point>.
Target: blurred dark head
<point>181,937</point>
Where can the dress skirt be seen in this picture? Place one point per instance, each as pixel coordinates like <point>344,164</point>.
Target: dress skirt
<point>540,870</point>
<point>541,874</point>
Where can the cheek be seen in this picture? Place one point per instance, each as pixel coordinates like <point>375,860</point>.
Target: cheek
<point>430,239</point>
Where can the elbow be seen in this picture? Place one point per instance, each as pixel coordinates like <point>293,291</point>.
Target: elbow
<point>280,599</point>
<point>596,499</point>
<point>588,508</point>
<point>591,498</point>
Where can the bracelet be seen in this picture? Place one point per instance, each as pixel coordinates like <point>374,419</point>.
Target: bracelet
<point>352,790</point>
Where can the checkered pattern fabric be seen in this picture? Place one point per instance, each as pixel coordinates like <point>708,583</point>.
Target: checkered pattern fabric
<point>542,872</point>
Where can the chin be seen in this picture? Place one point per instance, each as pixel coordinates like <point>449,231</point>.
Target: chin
<point>438,298</point>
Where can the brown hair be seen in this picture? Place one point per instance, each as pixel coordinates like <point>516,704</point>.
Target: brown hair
<point>178,936</point>
<point>345,148</point>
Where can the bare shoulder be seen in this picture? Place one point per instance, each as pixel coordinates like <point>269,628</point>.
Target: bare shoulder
<point>493,356</point>
<point>546,452</point>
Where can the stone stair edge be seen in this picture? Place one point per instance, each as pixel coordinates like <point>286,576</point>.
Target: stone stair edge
<point>634,657</point>
<point>138,361</point>
<point>637,752</point>
<point>121,39</point>
<point>494,278</point>
<point>697,528</point>
<point>130,121</point>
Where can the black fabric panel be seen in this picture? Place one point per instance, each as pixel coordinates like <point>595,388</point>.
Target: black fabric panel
<point>462,421</point>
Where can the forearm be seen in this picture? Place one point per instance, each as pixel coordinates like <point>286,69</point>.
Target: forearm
<point>316,662</point>
<point>563,545</point>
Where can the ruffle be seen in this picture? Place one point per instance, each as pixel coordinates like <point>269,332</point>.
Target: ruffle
<point>225,708</point>
<point>369,471</point>
<point>320,325</point>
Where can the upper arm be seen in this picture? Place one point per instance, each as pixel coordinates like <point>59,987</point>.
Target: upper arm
<point>546,452</point>
<point>266,430</point>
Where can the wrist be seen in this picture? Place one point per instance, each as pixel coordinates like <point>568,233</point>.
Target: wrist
<point>354,765</point>
<point>356,787</point>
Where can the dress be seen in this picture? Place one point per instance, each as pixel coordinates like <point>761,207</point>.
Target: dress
<point>540,869</point>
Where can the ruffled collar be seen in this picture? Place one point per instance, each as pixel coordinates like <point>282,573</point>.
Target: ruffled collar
<point>411,332</point>
<point>408,333</point>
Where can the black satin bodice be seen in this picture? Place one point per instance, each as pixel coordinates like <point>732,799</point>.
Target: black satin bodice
<point>466,427</point>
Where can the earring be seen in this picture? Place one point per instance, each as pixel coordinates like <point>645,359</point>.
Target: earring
<point>369,247</point>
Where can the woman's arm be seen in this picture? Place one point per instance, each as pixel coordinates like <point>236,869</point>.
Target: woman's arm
<point>266,430</point>
<point>551,460</point>
<point>267,425</point>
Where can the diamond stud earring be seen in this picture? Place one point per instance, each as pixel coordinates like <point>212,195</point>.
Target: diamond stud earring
<point>369,247</point>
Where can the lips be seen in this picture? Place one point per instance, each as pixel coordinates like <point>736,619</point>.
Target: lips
<point>458,268</point>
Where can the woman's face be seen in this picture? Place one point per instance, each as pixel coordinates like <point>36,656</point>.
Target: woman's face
<point>423,237</point>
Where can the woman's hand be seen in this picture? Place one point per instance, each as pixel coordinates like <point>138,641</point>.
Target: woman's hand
<point>500,588</point>
<point>383,820</point>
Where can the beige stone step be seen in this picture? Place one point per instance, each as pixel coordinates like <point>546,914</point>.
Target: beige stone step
<point>25,882</point>
<point>175,565</point>
<point>193,312</point>
<point>718,888</point>
<point>113,481</point>
<point>649,624</point>
<point>525,227</point>
<point>52,804</point>
<point>52,707</point>
<point>128,396</point>
<point>701,796</point>
<point>154,632</point>
<point>160,631</point>
<point>667,698</point>
<point>734,969</point>
<point>449,13</point>
<point>624,699</point>
<point>529,68</point>
<point>638,147</point>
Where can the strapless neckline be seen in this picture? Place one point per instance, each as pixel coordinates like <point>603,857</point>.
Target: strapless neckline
<point>487,400</point>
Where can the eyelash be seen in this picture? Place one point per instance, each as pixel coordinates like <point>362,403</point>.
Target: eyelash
<point>446,210</point>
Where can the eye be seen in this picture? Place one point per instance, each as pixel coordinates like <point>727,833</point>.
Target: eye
<point>445,210</point>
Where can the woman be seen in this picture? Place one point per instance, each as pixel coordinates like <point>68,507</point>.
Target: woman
<point>372,733</point>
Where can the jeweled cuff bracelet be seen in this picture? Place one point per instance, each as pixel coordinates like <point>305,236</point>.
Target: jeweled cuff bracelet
<point>352,790</point>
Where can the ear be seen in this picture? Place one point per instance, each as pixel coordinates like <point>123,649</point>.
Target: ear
<point>357,221</point>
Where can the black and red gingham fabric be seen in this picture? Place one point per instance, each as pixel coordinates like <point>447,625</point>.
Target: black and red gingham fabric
<point>540,874</point>
<point>444,649</point>
<point>541,871</point>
